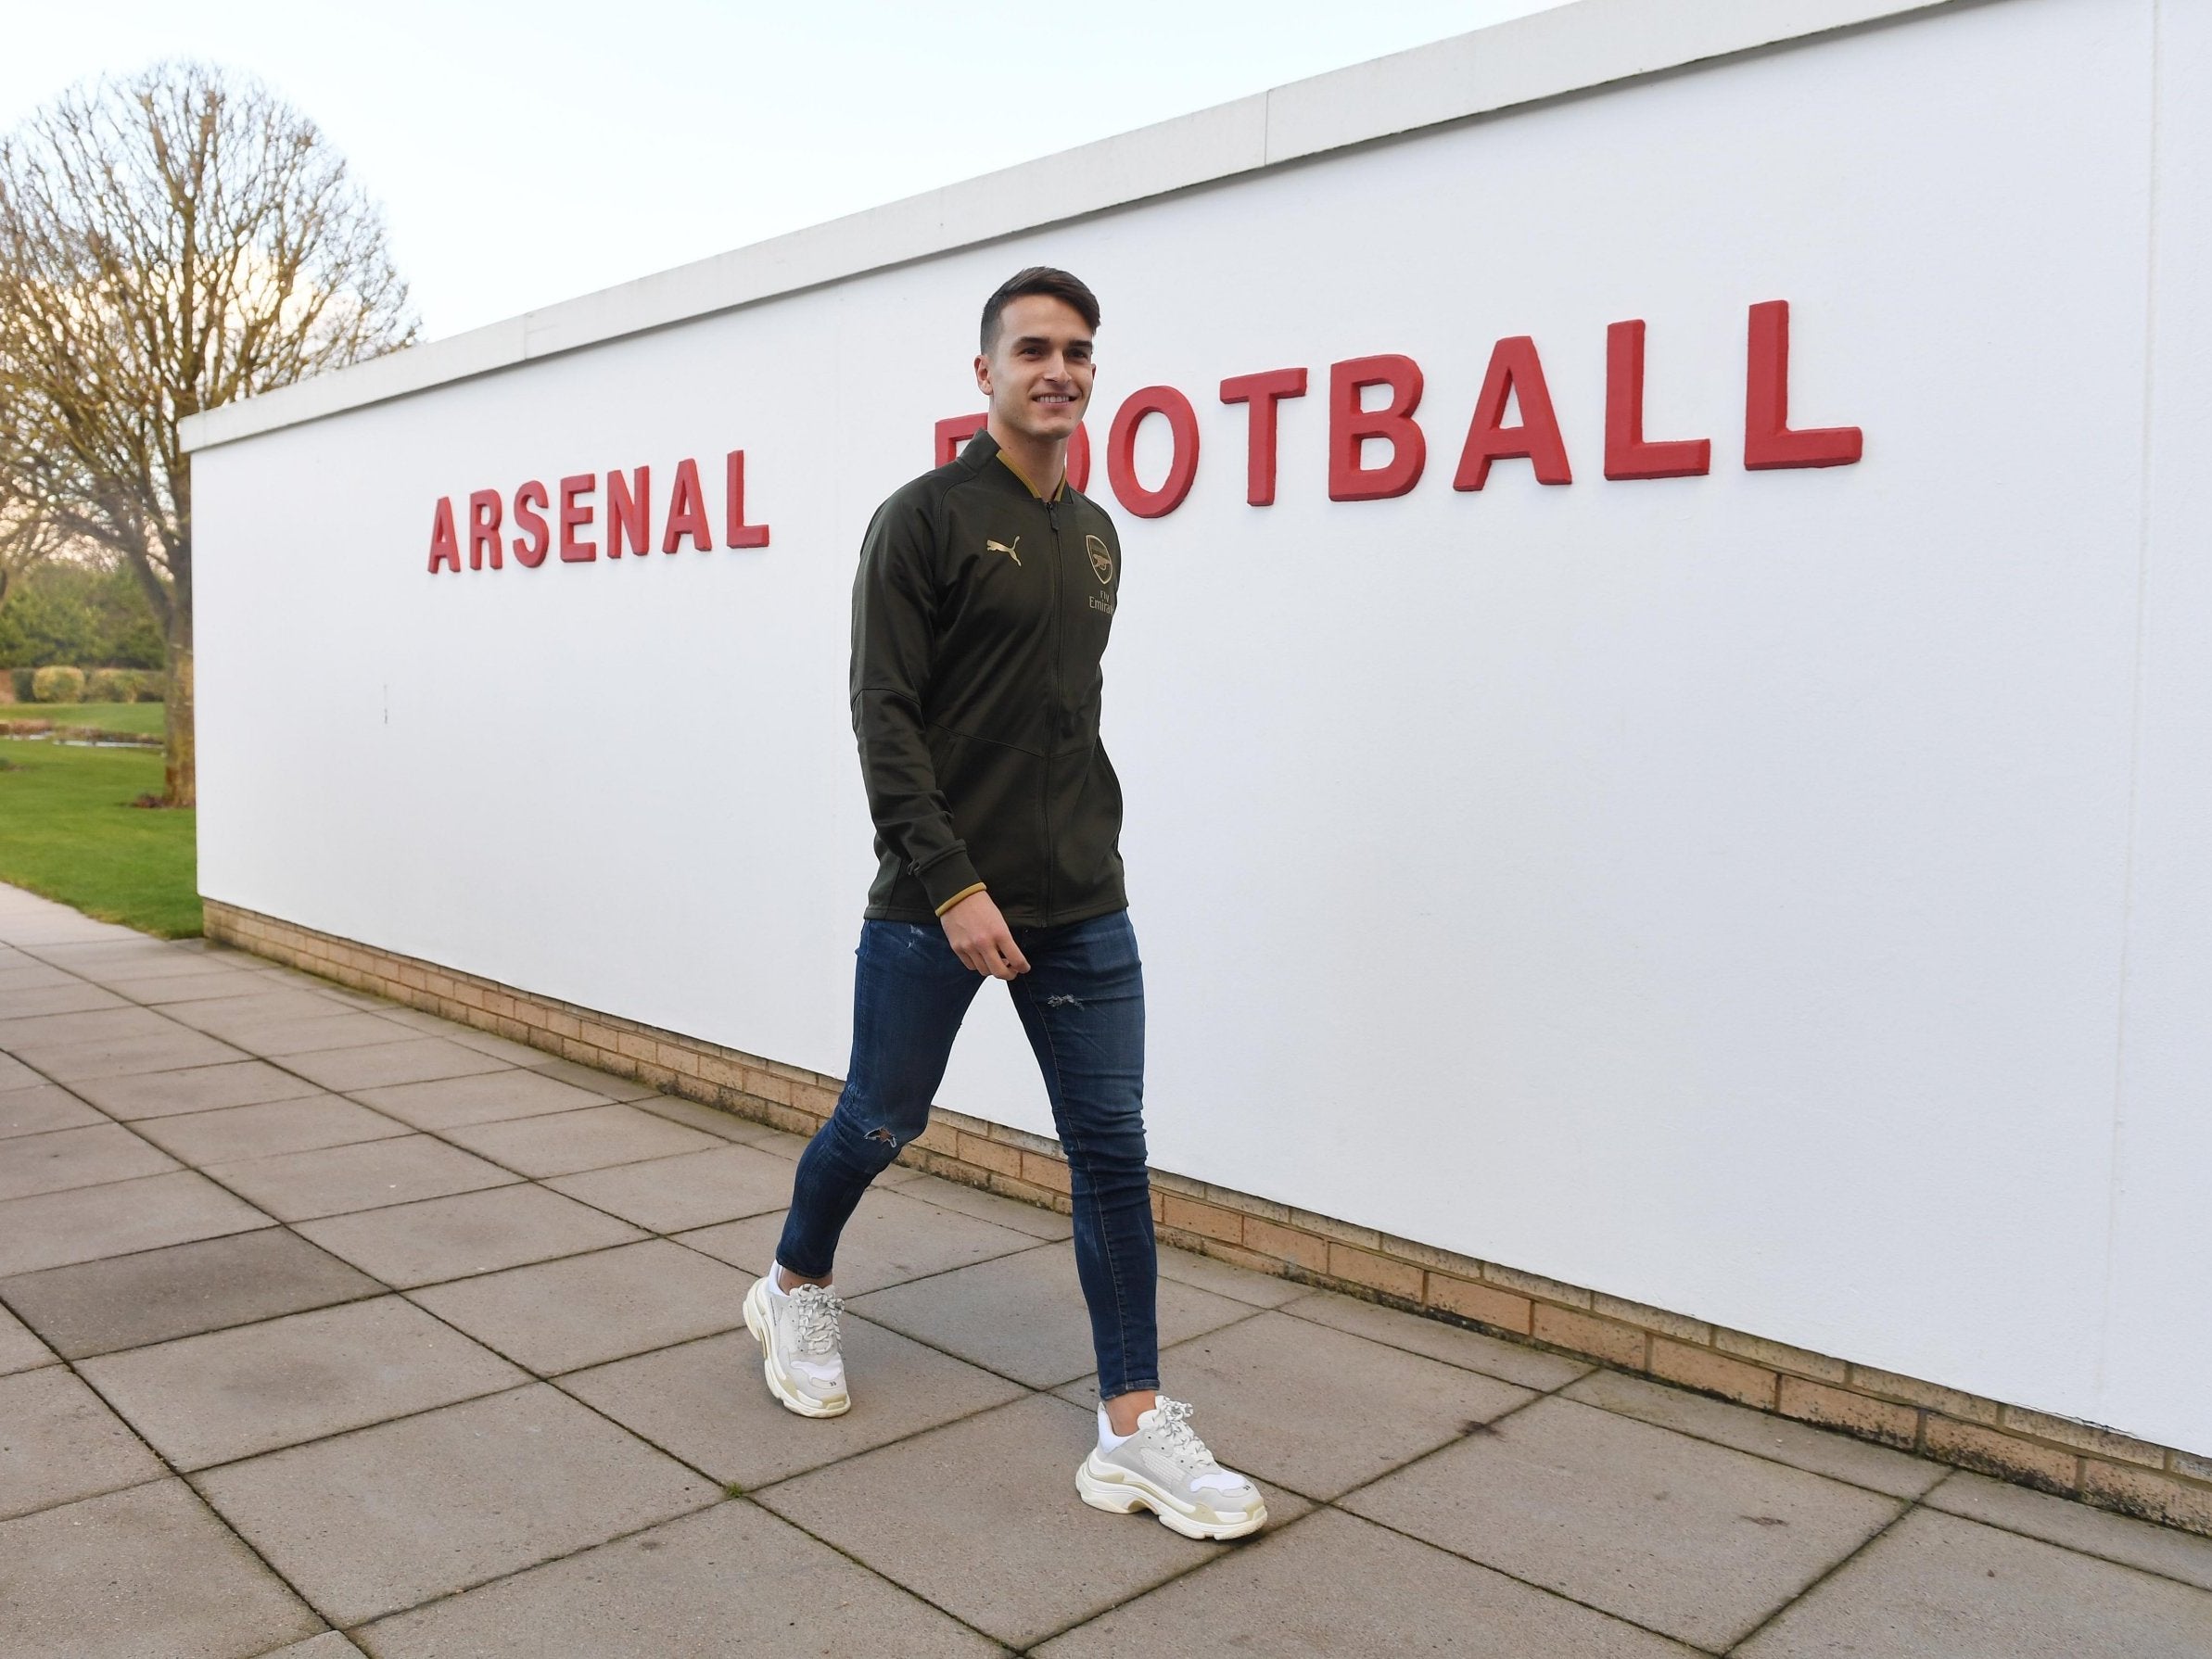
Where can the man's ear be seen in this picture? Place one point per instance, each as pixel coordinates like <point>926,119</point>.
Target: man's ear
<point>983,374</point>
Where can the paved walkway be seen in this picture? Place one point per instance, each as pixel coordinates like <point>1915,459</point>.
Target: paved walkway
<point>333,1327</point>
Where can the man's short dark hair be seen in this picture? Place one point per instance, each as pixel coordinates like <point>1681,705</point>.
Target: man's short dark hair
<point>1038,279</point>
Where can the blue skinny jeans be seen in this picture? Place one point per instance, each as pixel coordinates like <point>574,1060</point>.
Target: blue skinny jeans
<point>1082,1004</point>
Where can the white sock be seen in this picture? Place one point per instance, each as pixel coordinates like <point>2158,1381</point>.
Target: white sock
<point>1108,1440</point>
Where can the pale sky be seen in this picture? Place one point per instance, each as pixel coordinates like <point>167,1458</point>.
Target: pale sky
<point>527,153</point>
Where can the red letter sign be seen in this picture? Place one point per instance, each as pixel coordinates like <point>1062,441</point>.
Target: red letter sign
<point>1121,451</point>
<point>484,528</point>
<point>531,553</point>
<point>1514,368</point>
<point>741,533</point>
<point>686,510</point>
<point>442,545</point>
<point>1768,442</point>
<point>575,514</point>
<point>1349,424</point>
<point>1627,455</point>
<point>953,433</point>
<point>1262,392</point>
<point>629,512</point>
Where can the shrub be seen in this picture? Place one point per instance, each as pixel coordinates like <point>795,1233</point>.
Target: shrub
<point>111,685</point>
<point>58,685</point>
<point>20,683</point>
<point>153,686</point>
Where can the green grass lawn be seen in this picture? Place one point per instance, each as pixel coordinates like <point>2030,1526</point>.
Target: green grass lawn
<point>67,830</point>
<point>145,717</point>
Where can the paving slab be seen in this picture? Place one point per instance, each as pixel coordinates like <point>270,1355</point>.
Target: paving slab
<point>1362,1409</point>
<point>482,1098</point>
<point>568,1142</point>
<point>983,1205</point>
<point>146,1573</point>
<point>296,1186</point>
<point>1261,1290</point>
<point>20,1350</point>
<point>173,1050</point>
<point>57,1029</point>
<point>2078,1527</point>
<point>59,1443</point>
<point>981,1518</point>
<point>408,1245</point>
<point>580,1311</point>
<point>331,1644</point>
<point>340,1028</point>
<point>19,972</point>
<point>592,1078</point>
<point>1697,1541</point>
<point>732,1582</point>
<point>711,1119</point>
<point>1531,1368</point>
<point>706,1403</point>
<point>14,1074</point>
<point>199,1089</point>
<point>1024,1316</point>
<point>1939,1586</point>
<point>159,1295</point>
<point>233,1132</point>
<point>43,1106</point>
<point>67,996</point>
<point>386,1518</point>
<point>790,1146</point>
<point>260,1004</point>
<point>110,958</point>
<point>62,1159</point>
<point>1822,1452</point>
<point>498,1047</point>
<point>1331,1585</point>
<point>692,1189</point>
<point>54,1229</point>
<point>377,1065</point>
<point>891,1239</point>
<point>230,1394</point>
<point>167,989</point>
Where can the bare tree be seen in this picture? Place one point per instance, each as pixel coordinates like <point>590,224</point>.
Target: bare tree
<point>169,243</point>
<point>25,540</point>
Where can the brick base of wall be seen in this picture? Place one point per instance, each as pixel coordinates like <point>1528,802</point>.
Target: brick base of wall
<point>2075,1459</point>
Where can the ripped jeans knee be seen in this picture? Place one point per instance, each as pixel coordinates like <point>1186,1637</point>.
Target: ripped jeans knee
<point>875,1139</point>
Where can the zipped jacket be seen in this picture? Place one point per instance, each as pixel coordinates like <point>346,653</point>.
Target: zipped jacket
<point>980,614</point>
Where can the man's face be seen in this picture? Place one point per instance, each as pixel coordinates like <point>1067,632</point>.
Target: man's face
<point>1038,376</point>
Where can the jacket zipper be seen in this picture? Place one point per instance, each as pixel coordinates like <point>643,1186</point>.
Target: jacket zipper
<point>1052,735</point>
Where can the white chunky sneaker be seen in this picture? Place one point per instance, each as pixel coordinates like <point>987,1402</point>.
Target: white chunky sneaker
<point>799,1347</point>
<point>1166,1468</point>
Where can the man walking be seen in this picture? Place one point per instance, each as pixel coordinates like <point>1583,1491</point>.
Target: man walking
<point>981,610</point>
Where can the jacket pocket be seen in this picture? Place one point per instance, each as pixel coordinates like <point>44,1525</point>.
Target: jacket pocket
<point>997,796</point>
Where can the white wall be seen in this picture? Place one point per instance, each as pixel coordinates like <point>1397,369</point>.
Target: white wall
<point>1728,892</point>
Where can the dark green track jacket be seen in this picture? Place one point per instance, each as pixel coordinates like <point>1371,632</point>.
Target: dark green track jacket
<point>979,616</point>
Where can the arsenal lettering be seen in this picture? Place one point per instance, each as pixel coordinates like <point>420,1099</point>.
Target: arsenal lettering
<point>1378,448</point>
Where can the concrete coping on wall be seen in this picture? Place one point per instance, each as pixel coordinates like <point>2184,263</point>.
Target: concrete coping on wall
<point>1573,48</point>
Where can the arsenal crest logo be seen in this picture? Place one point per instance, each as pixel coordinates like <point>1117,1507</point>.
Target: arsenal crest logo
<point>1101,562</point>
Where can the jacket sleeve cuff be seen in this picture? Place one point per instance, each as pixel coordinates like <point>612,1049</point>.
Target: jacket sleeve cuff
<point>948,878</point>
<point>957,897</point>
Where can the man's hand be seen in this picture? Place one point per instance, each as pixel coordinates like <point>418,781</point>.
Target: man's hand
<point>980,939</point>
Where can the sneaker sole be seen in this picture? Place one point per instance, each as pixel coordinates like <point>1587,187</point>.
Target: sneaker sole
<point>1125,1496</point>
<point>789,1397</point>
